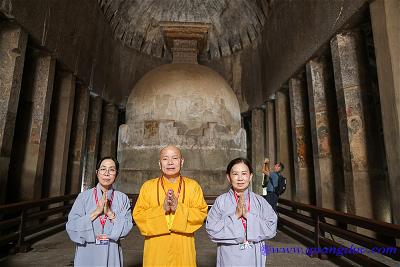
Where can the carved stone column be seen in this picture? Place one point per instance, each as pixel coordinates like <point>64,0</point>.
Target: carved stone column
<point>12,55</point>
<point>257,147</point>
<point>300,137</point>
<point>92,141</point>
<point>78,139</point>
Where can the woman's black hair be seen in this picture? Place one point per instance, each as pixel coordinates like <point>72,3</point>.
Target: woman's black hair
<point>104,158</point>
<point>236,161</point>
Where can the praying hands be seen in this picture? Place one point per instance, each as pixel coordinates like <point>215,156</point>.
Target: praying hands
<point>103,207</point>
<point>170,202</point>
<point>241,210</point>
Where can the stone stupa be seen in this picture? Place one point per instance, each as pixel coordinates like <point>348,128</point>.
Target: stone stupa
<point>184,104</point>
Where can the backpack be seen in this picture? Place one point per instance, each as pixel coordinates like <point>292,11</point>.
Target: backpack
<point>280,189</point>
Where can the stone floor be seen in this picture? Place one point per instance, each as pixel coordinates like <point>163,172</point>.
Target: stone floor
<point>58,250</point>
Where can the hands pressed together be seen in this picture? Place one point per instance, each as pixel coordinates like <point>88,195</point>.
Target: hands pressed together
<point>103,207</point>
<point>241,210</point>
<point>170,202</point>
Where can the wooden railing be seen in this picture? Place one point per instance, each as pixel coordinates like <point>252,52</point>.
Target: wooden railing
<point>24,223</point>
<point>339,225</point>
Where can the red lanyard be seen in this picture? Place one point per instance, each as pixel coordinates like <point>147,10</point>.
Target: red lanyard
<point>244,222</point>
<point>179,188</point>
<point>102,219</point>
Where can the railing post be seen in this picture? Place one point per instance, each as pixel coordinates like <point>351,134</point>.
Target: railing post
<point>316,237</point>
<point>21,245</point>
<point>21,229</point>
<point>65,203</point>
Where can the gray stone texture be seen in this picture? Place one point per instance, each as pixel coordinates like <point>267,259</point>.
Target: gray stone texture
<point>92,141</point>
<point>270,133</point>
<point>82,41</point>
<point>29,144</point>
<point>284,150</point>
<point>187,105</point>
<point>108,143</point>
<point>227,34</point>
<point>12,55</point>
<point>78,139</point>
<point>205,156</point>
<point>362,164</point>
<point>56,162</point>
<point>295,31</point>
<point>319,89</point>
<point>81,38</point>
<point>352,126</point>
<point>386,31</point>
<point>257,148</point>
<point>304,178</point>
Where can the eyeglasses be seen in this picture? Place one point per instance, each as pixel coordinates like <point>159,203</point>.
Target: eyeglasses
<point>110,171</point>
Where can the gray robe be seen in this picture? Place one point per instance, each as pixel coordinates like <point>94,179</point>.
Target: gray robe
<point>83,231</point>
<point>225,229</point>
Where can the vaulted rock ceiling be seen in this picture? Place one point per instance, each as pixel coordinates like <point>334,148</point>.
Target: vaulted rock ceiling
<point>233,24</point>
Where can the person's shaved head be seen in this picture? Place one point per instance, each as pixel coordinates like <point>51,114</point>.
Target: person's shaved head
<point>171,161</point>
<point>170,147</point>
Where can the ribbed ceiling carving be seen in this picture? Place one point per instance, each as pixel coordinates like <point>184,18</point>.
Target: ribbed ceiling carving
<point>234,24</point>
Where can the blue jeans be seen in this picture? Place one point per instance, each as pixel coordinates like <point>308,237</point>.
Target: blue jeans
<point>272,199</point>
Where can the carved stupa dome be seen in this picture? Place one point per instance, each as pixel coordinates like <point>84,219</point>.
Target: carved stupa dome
<point>191,95</point>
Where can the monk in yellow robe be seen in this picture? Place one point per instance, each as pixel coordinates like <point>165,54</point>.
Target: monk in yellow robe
<point>169,210</point>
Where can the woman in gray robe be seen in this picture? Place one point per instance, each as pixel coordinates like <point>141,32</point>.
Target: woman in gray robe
<point>99,218</point>
<point>240,220</point>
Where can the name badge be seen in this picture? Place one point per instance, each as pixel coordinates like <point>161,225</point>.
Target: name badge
<point>102,240</point>
<point>245,245</point>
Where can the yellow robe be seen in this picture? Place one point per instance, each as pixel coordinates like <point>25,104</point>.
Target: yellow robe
<point>174,245</point>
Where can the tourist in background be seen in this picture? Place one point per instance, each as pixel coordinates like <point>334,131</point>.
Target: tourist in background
<point>273,185</point>
<point>265,172</point>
